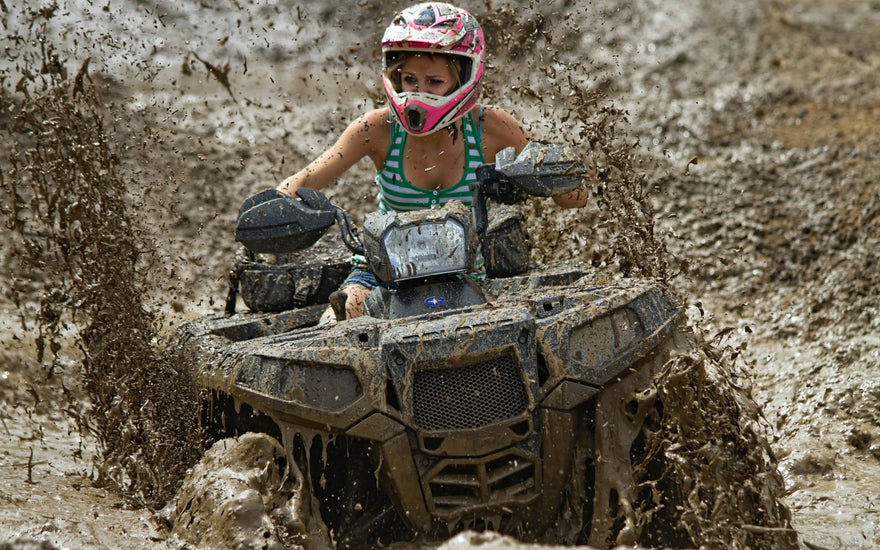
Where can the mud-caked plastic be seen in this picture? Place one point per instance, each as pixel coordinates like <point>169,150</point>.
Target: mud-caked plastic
<point>280,282</point>
<point>506,405</point>
<point>483,416</point>
<point>541,169</point>
<point>273,222</point>
<point>505,244</point>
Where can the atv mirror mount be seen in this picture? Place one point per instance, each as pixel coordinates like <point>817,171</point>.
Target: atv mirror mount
<point>495,186</point>
<point>319,201</point>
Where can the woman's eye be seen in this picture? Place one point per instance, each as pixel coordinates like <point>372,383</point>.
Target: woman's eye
<point>409,80</point>
<point>436,82</point>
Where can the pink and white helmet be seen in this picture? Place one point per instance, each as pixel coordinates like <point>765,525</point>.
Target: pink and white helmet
<point>434,28</point>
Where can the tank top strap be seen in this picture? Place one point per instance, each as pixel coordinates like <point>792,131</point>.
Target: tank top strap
<point>473,134</point>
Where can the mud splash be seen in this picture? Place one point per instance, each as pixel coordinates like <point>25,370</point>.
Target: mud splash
<point>243,494</point>
<point>717,456</point>
<point>79,249</point>
<point>564,100</point>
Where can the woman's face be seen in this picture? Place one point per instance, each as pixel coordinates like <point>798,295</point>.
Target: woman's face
<point>422,73</point>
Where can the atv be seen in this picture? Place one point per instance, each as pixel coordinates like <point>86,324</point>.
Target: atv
<point>512,404</point>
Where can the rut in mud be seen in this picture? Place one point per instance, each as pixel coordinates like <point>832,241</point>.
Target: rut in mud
<point>103,247</point>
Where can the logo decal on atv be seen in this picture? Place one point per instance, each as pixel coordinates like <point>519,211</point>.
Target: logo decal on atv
<point>434,301</point>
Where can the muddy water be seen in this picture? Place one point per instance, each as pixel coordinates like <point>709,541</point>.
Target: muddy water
<point>753,142</point>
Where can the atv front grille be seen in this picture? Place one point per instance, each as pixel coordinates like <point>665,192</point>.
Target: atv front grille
<point>469,397</point>
<point>502,479</point>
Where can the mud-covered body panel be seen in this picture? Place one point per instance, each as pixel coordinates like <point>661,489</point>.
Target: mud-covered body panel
<point>477,414</point>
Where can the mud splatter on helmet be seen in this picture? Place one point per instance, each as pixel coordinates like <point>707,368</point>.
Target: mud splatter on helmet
<point>434,28</point>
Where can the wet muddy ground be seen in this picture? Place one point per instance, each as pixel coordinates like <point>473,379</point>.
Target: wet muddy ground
<point>757,130</point>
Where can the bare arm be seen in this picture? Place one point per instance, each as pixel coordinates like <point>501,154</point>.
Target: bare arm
<point>501,130</point>
<point>367,136</point>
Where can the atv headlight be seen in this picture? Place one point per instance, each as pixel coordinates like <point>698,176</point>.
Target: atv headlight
<point>419,244</point>
<point>425,249</point>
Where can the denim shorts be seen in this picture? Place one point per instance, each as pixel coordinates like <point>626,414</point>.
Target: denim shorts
<point>361,275</point>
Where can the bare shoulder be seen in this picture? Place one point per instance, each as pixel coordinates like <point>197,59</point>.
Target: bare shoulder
<point>372,124</point>
<point>374,119</point>
<point>500,130</point>
<point>371,131</point>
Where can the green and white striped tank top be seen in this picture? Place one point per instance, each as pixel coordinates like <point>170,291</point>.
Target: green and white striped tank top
<point>397,194</point>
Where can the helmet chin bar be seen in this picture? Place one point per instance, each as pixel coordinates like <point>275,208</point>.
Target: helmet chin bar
<point>416,116</point>
<point>421,114</point>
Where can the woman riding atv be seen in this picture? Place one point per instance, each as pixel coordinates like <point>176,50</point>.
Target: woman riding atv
<point>434,134</point>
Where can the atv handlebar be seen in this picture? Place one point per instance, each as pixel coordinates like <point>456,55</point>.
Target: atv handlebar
<point>539,170</point>
<point>274,222</point>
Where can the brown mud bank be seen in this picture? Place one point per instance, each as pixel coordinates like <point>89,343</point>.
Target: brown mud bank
<point>757,133</point>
